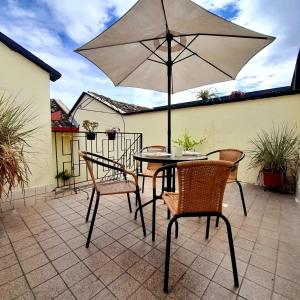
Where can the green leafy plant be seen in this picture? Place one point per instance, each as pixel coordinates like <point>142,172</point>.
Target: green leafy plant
<point>90,126</point>
<point>275,150</point>
<point>15,134</point>
<point>64,175</point>
<point>206,94</point>
<point>187,142</point>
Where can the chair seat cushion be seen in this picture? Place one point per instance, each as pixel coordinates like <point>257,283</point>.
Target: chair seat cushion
<point>171,199</point>
<point>116,187</point>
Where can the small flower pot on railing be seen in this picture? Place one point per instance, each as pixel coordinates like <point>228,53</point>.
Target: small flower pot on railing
<point>111,133</point>
<point>91,136</point>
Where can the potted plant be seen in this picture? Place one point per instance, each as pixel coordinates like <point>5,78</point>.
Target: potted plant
<point>236,95</point>
<point>187,142</point>
<point>276,154</point>
<point>111,133</point>
<point>206,94</point>
<point>90,128</point>
<point>64,175</point>
<point>15,135</point>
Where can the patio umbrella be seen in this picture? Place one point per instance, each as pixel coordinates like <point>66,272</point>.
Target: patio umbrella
<point>170,46</point>
<point>295,85</point>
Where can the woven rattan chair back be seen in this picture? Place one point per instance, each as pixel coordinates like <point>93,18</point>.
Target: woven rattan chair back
<point>201,185</point>
<point>90,169</point>
<point>233,155</point>
<point>154,148</point>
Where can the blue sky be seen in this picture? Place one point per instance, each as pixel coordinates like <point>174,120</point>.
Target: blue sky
<point>53,29</point>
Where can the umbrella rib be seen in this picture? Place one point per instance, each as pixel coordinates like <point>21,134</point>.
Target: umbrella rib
<point>184,58</point>
<point>159,62</point>
<point>225,35</point>
<point>165,15</point>
<point>153,52</point>
<point>143,62</point>
<point>192,34</point>
<point>205,60</point>
<point>174,61</point>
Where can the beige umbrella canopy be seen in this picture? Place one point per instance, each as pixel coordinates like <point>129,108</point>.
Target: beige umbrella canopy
<point>170,46</point>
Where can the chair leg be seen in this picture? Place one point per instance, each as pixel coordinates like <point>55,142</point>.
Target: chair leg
<point>143,184</point>
<point>129,202</point>
<point>168,250</point>
<point>232,253</point>
<point>138,197</point>
<point>168,214</point>
<point>153,216</point>
<point>90,205</point>
<point>217,221</point>
<point>93,221</point>
<point>242,196</point>
<point>174,182</point>
<point>176,229</point>
<point>207,227</point>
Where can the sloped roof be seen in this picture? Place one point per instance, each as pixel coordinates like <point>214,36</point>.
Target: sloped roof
<point>65,122</point>
<point>117,106</point>
<point>54,75</point>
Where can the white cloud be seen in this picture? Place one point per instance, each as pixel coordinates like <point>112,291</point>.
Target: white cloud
<point>52,29</point>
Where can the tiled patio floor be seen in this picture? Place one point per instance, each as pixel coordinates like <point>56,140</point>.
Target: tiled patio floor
<point>42,252</point>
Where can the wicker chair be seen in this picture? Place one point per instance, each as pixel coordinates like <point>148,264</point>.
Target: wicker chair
<point>235,156</point>
<point>151,167</point>
<point>201,189</point>
<point>113,187</point>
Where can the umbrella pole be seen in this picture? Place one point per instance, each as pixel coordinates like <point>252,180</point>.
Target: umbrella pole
<point>169,38</point>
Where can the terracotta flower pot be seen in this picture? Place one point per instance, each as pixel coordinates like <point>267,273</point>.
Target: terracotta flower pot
<point>273,180</point>
<point>111,135</point>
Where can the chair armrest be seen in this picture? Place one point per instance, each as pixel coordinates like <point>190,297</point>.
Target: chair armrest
<point>213,152</point>
<point>104,158</point>
<point>161,169</point>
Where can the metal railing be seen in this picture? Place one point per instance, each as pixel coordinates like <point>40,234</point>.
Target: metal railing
<point>69,164</point>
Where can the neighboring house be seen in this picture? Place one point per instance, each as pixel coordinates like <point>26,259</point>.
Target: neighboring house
<point>26,77</point>
<point>60,120</point>
<point>107,112</point>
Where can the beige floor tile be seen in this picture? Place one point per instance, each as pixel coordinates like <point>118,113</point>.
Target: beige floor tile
<point>105,294</point>
<point>57,251</point>
<point>212,255</point>
<point>7,261</point>
<point>194,282</point>
<point>50,243</point>
<point>75,274</point>
<point>87,288</point>
<point>141,248</point>
<point>126,259</point>
<point>287,288</point>
<point>65,262</point>
<point>5,250</point>
<point>252,291</point>
<point>260,277</point>
<point>227,264</point>
<point>96,261</point>
<point>204,267</point>
<point>67,295</point>
<point>217,292</point>
<point>142,293</point>
<point>263,262</point>
<point>24,243</point>
<point>34,262</point>
<point>76,242</point>
<point>155,258</point>
<point>184,256</point>
<point>225,278</point>
<point>40,275</point>
<point>14,289</point>
<point>141,270</point>
<point>124,286</point>
<point>83,252</point>
<point>10,274</point>
<point>288,272</point>
<point>109,272</point>
<point>28,252</point>
<point>114,249</point>
<point>50,288</point>
<point>69,234</point>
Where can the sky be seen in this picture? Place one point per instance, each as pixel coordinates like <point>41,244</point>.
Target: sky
<point>53,29</point>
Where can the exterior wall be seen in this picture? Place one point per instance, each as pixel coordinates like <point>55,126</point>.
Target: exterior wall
<point>98,112</point>
<point>230,125</point>
<point>22,78</point>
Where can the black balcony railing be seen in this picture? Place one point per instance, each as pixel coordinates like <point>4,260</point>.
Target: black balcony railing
<point>69,164</point>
